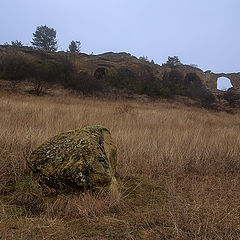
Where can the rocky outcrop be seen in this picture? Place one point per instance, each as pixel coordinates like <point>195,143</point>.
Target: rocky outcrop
<point>75,160</point>
<point>213,77</point>
<point>103,64</point>
<point>107,62</point>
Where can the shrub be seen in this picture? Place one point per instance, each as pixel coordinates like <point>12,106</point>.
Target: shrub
<point>144,59</point>
<point>173,61</point>
<point>48,72</point>
<point>196,90</point>
<point>173,83</point>
<point>74,46</point>
<point>143,82</point>
<point>16,43</point>
<point>14,66</point>
<point>84,82</point>
<point>232,96</point>
<point>122,78</point>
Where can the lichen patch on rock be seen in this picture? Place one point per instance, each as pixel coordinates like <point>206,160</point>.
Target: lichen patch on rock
<point>75,160</point>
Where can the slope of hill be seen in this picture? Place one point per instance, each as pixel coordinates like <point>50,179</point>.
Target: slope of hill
<point>178,171</point>
<point>178,166</point>
<point>97,73</point>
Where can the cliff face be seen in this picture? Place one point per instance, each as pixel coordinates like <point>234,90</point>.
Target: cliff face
<point>99,65</point>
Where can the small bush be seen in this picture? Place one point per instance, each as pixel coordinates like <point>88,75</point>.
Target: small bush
<point>84,82</point>
<point>196,90</point>
<point>15,66</point>
<point>143,82</point>
<point>122,78</point>
<point>232,96</point>
<point>173,61</point>
<point>173,83</point>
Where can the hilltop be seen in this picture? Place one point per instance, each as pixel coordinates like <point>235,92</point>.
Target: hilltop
<point>102,73</point>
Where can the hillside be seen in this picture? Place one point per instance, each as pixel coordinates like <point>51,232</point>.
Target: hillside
<point>114,75</point>
<point>111,61</point>
<point>178,164</point>
<point>178,169</point>
<point>91,73</point>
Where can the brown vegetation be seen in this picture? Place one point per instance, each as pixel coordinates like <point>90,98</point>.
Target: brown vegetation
<point>90,74</point>
<point>178,171</point>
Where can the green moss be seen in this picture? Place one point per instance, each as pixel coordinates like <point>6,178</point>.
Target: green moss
<point>80,158</point>
<point>23,183</point>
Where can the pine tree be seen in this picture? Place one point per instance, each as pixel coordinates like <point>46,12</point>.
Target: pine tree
<point>173,61</point>
<point>44,38</point>
<point>75,46</point>
<point>16,43</point>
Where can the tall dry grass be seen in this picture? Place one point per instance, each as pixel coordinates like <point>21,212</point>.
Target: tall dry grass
<point>192,153</point>
<point>152,139</point>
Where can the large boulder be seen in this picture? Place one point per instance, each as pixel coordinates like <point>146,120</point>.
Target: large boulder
<point>75,160</point>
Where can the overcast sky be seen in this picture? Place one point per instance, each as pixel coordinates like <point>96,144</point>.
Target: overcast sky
<point>202,32</point>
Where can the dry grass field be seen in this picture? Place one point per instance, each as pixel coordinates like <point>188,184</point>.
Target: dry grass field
<point>178,166</point>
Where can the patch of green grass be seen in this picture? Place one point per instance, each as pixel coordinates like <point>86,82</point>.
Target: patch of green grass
<point>24,182</point>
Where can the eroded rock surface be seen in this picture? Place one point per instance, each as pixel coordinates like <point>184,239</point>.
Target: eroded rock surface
<point>99,65</point>
<point>75,160</point>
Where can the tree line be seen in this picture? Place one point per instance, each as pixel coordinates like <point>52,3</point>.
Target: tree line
<point>45,38</point>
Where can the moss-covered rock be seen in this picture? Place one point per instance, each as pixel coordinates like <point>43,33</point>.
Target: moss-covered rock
<point>75,160</point>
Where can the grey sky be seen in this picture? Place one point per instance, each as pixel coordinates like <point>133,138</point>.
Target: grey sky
<point>202,32</point>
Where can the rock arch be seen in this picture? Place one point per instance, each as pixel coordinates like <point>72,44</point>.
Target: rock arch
<point>211,79</point>
<point>223,83</point>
